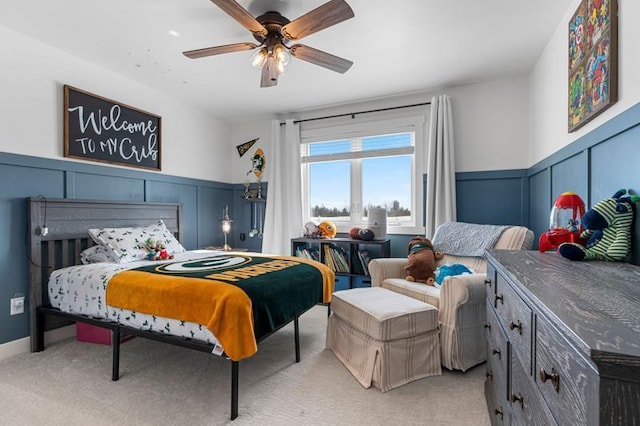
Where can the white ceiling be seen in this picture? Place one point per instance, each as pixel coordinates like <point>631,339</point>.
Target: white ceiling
<point>397,47</point>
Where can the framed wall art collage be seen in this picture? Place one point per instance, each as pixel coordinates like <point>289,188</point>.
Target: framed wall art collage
<point>593,61</point>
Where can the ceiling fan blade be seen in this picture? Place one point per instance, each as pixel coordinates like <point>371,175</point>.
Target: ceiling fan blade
<point>240,14</point>
<point>318,57</point>
<point>218,50</point>
<point>328,14</point>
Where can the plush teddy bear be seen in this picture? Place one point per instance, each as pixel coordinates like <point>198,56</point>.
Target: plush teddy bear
<point>607,230</point>
<point>162,253</point>
<point>421,263</point>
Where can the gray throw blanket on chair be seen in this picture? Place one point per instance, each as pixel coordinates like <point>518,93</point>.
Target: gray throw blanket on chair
<point>466,239</point>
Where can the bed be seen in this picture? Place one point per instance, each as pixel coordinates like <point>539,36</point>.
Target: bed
<point>253,295</point>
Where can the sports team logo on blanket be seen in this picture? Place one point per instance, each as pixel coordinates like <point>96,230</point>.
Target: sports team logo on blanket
<point>228,268</point>
<point>208,265</point>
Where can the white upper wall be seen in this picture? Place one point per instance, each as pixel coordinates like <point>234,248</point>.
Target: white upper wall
<point>194,143</point>
<point>491,127</point>
<point>549,86</point>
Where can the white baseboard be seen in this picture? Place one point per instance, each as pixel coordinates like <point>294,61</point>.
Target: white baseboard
<point>22,346</point>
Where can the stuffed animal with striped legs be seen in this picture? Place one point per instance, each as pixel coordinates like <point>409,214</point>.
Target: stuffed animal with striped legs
<point>607,230</point>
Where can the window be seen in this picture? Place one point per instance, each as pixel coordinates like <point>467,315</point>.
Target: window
<point>349,169</point>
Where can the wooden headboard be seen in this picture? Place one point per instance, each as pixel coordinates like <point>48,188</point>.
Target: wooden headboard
<point>66,222</point>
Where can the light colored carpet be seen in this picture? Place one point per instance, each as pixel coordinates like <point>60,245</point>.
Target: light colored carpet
<point>160,384</point>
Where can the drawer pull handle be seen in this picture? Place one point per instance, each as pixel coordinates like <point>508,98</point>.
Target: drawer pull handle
<point>495,351</point>
<point>487,325</point>
<point>513,326</point>
<point>500,298</point>
<point>519,398</point>
<point>554,377</point>
<point>487,282</point>
<point>498,412</point>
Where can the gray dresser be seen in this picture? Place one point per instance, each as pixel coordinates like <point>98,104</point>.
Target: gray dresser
<point>563,340</point>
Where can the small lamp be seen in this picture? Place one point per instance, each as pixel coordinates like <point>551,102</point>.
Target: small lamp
<point>226,227</point>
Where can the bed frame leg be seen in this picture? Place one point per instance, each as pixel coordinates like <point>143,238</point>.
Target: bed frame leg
<point>115,344</point>
<point>38,345</point>
<point>234,389</point>
<point>297,337</point>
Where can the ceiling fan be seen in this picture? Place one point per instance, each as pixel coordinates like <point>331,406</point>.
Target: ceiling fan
<point>273,32</point>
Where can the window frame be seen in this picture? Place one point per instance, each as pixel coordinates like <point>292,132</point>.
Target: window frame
<point>360,128</point>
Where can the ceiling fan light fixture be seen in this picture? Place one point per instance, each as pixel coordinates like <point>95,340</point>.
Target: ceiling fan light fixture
<point>280,67</point>
<point>281,55</point>
<point>259,58</point>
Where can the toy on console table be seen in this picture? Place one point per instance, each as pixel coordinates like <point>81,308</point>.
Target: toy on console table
<point>421,261</point>
<point>564,222</point>
<point>607,230</point>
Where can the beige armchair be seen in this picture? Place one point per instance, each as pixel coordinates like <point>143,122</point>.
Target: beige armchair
<point>460,300</point>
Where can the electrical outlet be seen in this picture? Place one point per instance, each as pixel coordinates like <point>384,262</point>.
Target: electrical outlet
<point>17,305</point>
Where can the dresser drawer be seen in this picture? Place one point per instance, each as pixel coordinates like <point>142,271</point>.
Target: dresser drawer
<point>497,354</point>
<point>497,407</point>
<point>517,319</point>
<point>527,408</point>
<point>566,380</point>
<point>490,281</point>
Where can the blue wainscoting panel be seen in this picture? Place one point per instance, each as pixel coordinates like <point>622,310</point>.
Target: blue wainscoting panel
<point>615,164</point>
<point>570,174</point>
<point>87,185</point>
<point>14,256</point>
<point>399,245</point>
<point>540,202</point>
<point>185,194</point>
<point>211,204</point>
<point>495,197</point>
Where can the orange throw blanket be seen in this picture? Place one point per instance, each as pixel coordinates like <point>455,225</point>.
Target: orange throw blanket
<point>204,292</point>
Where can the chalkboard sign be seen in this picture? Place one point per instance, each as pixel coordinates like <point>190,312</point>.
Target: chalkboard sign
<point>99,129</point>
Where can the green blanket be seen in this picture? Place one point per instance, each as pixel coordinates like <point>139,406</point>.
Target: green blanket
<point>240,298</point>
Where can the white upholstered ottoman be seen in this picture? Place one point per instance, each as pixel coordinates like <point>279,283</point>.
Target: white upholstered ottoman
<point>384,339</point>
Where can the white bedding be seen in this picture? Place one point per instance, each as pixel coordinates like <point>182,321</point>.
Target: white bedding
<point>81,289</point>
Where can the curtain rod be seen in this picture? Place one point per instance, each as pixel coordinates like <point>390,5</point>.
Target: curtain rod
<point>353,114</point>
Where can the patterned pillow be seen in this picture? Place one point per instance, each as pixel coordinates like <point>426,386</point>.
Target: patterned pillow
<point>96,254</point>
<point>127,244</point>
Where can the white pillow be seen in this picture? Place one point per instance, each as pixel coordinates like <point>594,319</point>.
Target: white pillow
<point>128,244</point>
<point>96,254</point>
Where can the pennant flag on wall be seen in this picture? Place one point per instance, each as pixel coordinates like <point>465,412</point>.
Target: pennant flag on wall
<point>244,147</point>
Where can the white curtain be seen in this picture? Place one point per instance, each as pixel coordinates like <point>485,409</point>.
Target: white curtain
<point>283,214</point>
<point>440,203</point>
